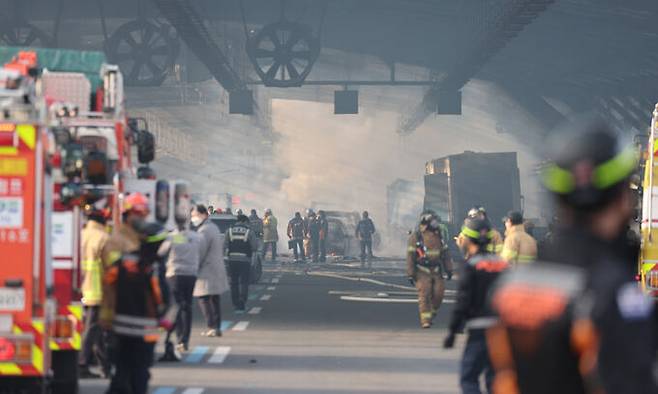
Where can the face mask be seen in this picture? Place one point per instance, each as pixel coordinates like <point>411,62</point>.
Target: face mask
<point>196,221</point>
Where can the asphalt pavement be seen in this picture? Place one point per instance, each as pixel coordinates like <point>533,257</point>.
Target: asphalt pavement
<point>329,328</point>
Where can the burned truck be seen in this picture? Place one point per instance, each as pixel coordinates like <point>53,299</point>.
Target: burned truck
<point>456,183</point>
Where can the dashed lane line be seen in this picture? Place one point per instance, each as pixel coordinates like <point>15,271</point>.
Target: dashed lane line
<point>164,390</point>
<point>197,354</point>
<point>275,280</point>
<point>266,297</point>
<point>271,288</point>
<point>220,354</point>
<point>193,390</point>
<point>225,325</point>
<point>241,326</point>
<point>255,310</point>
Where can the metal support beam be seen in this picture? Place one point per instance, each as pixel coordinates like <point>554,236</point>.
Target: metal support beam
<point>182,15</point>
<point>514,19</point>
<point>536,106</point>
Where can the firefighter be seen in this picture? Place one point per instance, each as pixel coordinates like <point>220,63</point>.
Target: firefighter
<point>270,233</point>
<point>256,224</point>
<point>296,236</point>
<point>132,265</point>
<point>364,231</point>
<point>424,256</point>
<point>240,244</point>
<point>586,326</point>
<point>93,239</point>
<point>496,244</point>
<point>324,234</point>
<point>313,235</point>
<point>310,216</point>
<point>480,271</point>
<point>519,247</point>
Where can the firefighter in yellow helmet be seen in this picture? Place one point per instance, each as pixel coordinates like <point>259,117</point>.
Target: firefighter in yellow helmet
<point>425,255</point>
<point>134,313</point>
<point>93,239</point>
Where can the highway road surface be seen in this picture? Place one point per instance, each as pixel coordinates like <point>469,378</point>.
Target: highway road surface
<point>319,329</point>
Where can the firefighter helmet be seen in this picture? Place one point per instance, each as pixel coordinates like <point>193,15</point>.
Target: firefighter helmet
<point>136,203</point>
<point>476,211</point>
<point>477,230</point>
<point>430,218</point>
<point>97,209</point>
<point>587,164</point>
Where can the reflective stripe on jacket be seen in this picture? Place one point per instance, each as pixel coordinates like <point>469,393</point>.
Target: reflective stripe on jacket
<point>496,244</point>
<point>519,246</point>
<point>93,240</point>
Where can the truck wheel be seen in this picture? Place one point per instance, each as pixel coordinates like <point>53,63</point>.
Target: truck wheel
<point>65,372</point>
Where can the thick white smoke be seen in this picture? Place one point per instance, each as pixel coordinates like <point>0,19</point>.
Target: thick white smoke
<point>346,162</point>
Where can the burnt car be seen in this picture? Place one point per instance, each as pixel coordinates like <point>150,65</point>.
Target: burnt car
<point>341,240</point>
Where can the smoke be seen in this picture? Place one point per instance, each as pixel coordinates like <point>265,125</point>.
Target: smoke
<point>346,162</point>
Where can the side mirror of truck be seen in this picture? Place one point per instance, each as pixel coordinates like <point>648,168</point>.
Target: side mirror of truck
<point>145,146</point>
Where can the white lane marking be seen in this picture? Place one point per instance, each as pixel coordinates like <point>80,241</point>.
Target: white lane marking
<point>391,300</point>
<point>255,310</point>
<point>266,297</point>
<point>271,288</point>
<point>275,280</point>
<point>220,355</point>
<point>380,294</point>
<point>241,326</point>
<point>194,390</point>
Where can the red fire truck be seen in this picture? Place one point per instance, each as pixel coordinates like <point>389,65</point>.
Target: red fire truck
<point>88,121</point>
<point>82,98</point>
<point>27,309</point>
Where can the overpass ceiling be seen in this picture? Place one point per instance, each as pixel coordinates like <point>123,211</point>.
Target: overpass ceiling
<point>430,33</point>
<point>575,48</point>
